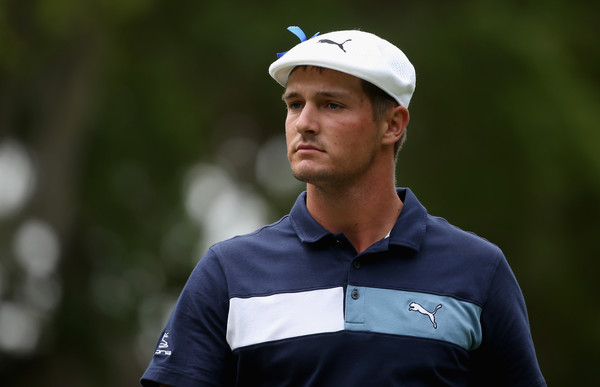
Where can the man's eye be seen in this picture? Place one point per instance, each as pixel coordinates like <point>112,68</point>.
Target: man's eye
<point>294,105</point>
<point>333,106</point>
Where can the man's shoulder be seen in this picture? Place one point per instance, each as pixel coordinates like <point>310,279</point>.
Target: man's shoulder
<point>266,235</point>
<point>441,231</point>
<point>438,230</point>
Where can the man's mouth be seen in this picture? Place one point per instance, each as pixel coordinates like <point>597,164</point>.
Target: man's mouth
<point>307,148</point>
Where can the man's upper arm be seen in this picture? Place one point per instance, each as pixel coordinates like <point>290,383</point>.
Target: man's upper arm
<point>196,330</point>
<point>507,355</point>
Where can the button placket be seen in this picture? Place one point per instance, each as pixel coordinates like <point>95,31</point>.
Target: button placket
<point>355,308</point>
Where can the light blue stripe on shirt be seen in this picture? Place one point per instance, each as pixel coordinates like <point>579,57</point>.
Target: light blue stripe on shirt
<point>413,314</point>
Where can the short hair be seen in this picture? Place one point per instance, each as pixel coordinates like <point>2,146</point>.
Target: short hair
<point>381,102</point>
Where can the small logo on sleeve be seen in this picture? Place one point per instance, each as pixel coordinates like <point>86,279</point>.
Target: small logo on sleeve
<point>414,307</point>
<point>163,346</point>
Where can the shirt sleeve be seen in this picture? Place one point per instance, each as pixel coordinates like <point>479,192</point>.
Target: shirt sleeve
<point>507,355</point>
<point>192,349</point>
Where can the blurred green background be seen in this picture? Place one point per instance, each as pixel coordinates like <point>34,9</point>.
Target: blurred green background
<point>135,133</point>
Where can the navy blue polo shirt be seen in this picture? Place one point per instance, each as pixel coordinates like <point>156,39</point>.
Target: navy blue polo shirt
<point>293,304</point>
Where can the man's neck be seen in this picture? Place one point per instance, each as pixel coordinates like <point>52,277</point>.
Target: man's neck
<point>363,213</point>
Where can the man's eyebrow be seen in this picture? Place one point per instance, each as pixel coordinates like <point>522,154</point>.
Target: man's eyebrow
<point>286,96</point>
<point>326,94</point>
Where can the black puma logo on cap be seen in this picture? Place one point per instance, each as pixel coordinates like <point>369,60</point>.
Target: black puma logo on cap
<point>340,45</point>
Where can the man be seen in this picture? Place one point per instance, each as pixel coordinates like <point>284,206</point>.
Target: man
<point>358,285</point>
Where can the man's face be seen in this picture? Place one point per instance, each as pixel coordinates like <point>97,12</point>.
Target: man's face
<point>331,135</point>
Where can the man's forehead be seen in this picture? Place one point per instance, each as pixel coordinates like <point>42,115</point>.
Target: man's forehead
<point>329,80</point>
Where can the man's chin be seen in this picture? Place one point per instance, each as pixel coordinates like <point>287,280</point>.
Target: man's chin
<point>313,177</point>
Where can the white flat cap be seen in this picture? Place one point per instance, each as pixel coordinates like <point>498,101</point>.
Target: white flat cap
<point>357,53</point>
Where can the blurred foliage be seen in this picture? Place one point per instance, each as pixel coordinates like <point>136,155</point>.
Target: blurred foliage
<point>117,101</point>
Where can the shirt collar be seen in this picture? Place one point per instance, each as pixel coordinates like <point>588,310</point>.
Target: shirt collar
<point>306,227</point>
<point>408,230</point>
<point>410,226</point>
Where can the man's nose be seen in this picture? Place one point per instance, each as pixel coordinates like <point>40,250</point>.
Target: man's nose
<point>307,122</point>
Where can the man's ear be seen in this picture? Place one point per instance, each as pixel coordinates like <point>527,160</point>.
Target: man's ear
<point>396,123</point>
